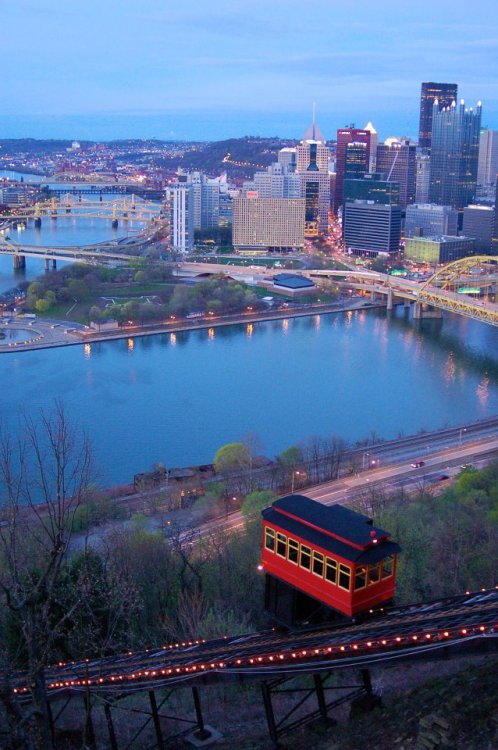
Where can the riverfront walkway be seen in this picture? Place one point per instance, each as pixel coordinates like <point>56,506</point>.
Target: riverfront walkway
<point>22,334</point>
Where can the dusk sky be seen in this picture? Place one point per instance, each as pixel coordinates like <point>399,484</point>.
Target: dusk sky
<point>211,69</point>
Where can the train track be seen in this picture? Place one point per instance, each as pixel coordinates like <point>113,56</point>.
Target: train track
<point>396,634</point>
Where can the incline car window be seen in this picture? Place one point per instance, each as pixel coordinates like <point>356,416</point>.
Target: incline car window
<point>318,564</point>
<point>305,557</point>
<point>387,567</point>
<point>293,553</point>
<point>270,539</point>
<point>281,545</point>
<point>331,570</point>
<point>344,577</point>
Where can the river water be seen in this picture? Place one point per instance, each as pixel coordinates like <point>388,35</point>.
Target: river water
<point>176,399</point>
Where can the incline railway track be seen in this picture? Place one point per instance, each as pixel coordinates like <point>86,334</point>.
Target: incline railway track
<point>395,634</point>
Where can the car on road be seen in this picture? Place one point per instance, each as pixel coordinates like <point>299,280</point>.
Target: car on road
<point>418,464</point>
<point>442,477</point>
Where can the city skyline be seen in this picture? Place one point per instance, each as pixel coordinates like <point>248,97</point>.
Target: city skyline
<point>117,70</point>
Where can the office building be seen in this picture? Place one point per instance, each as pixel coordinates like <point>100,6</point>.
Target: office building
<point>372,187</point>
<point>357,160</point>
<point>205,197</point>
<point>274,182</point>
<point>344,137</point>
<point>422,179</point>
<point>287,158</point>
<point>494,242</point>
<point>312,166</point>
<point>374,142</point>
<point>371,228</point>
<point>454,155</point>
<point>478,222</point>
<point>429,220</point>
<point>268,223</point>
<point>436,250</point>
<point>445,94</point>
<point>397,159</point>
<point>182,216</point>
<point>487,167</point>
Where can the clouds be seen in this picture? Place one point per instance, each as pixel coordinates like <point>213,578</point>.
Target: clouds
<point>89,56</point>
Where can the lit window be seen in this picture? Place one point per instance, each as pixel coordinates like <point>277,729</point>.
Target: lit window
<point>305,557</point>
<point>318,564</point>
<point>344,577</point>
<point>373,573</point>
<point>387,567</point>
<point>330,570</point>
<point>293,553</point>
<point>360,578</point>
<point>281,545</point>
<point>270,539</point>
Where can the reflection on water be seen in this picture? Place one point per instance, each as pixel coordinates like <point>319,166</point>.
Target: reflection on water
<point>449,369</point>
<point>187,393</point>
<point>482,391</point>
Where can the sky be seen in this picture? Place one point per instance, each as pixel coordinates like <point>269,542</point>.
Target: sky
<point>213,69</point>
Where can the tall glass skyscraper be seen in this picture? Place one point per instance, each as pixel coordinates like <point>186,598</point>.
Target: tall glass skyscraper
<point>346,136</point>
<point>445,93</point>
<point>454,155</point>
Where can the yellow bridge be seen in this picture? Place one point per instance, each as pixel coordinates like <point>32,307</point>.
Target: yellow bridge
<point>131,208</point>
<point>453,287</point>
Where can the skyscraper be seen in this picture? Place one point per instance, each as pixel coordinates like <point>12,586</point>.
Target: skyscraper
<point>488,158</point>
<point>312,162</point>
<point>397,159</point>
<point>182,215</point>
<point>357,160</point>
<point>445,93</point>
<point>374,142</point>
<point>454,154</point>
<point>264,223</point>
<point>344,137</point>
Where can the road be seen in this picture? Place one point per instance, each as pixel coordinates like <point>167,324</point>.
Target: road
<point>390,477</point>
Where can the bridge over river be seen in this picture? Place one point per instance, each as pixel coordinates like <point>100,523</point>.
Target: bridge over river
<point>444,290</point>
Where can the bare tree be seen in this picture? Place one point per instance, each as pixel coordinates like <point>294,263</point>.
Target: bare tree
<point>45,475</point>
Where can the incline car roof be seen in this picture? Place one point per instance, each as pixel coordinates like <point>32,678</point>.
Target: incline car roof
<point>314,522</point>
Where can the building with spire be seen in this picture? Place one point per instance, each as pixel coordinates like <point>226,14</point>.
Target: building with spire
<point>312,166</point>
<point>445,94</point>
<point>454,154</point>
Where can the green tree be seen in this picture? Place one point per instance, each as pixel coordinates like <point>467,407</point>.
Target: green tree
<point>42,306</point>
<point>256,501</point>
<point>35,289</point>
<point>232,457</point>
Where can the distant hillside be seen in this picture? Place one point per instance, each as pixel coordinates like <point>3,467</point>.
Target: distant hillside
<point>237,156</point>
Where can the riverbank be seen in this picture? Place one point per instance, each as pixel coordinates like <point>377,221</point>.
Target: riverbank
<point>49,334</point>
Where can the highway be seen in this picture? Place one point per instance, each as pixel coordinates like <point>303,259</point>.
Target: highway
<point>360,488</point>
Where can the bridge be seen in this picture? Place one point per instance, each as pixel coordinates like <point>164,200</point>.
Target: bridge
<point>449,288</point>
<point>123,209</point>
<point>99,253</point>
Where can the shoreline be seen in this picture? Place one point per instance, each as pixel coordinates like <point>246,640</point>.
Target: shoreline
<point>48,337</point>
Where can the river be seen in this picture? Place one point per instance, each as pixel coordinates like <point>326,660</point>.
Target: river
<point>176,398</point>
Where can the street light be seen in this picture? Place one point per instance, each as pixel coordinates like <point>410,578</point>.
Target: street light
<point>363,463</point>
<point>462,430</point>
<point>294,474</point>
